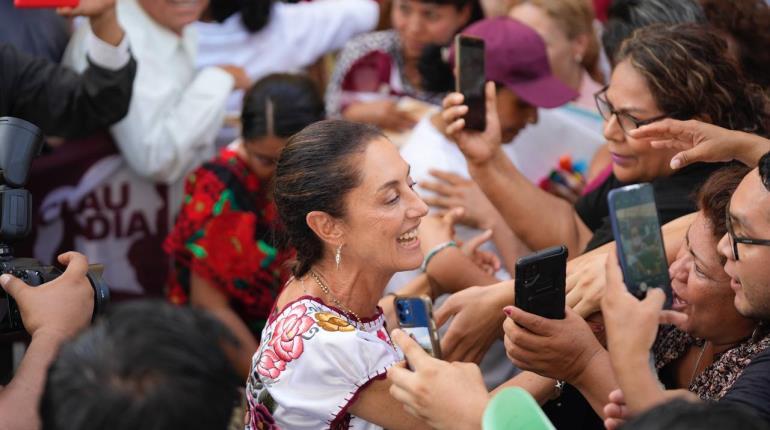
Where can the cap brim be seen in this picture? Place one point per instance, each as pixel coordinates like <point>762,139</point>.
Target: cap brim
<point>545,92</point>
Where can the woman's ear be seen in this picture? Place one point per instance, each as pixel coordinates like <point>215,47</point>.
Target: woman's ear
<point>580,47</point>
<point>325,226</point>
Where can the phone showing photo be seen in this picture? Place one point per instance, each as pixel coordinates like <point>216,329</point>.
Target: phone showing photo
<point>470,77</point>
<point>541,281</point>
<point>415,316</point>
<point>45,3</point>
<point>639,242</point>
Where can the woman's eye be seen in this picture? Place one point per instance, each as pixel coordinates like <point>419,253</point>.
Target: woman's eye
<point>393,200</point>
<point>699,271</point>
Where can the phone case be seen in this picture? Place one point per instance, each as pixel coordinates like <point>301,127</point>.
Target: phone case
<point>470,77</point>
<point>415,316</point>
<point>540,282</point>
<point>638,239</point>
<point>45,3</point>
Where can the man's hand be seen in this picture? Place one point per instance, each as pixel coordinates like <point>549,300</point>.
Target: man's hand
<point>559,349</point>
<point>102,17</point>
<point>478,147</point>
<point>453,190</point>
<point>702,142</point>
<point>585,284</point>
<point>242,80</point>
<point>444,395</point>
<point>631,324</point>
<point>478,318</point>
<point>60,307</point>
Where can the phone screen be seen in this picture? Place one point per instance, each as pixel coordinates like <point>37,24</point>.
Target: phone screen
<point>637,232</point>
<point>415,318</point>
<point>470,79</point>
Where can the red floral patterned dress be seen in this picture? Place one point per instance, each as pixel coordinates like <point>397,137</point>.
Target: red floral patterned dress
<point>225,233</point>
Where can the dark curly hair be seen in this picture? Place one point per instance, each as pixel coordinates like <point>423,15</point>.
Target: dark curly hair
<point>714,196</point>
<point>747,22</point>
<point>315,173</point>
<point>690,76</point>
<point>255,14</point>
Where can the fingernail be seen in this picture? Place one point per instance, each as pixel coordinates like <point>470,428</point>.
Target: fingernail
<point>4,279</point>
<point>676,163</point>
<point>508,310</point>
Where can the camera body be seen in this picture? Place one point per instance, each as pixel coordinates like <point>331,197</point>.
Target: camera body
<point>20,142</point>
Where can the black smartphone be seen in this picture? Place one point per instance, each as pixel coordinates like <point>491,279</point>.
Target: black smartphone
<point>470,77</point>
<point>638,240</point>
<point>415,316</point>
<point>541,281</point>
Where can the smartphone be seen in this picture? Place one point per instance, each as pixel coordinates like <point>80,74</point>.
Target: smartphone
<point>45,3</point>
<point>638,240</point>
<point>470,77</point>
<point>415,316</point>
<point>541,281</point>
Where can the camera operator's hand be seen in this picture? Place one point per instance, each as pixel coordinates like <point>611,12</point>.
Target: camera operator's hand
<point>59,308</point>
<point>102,17</point>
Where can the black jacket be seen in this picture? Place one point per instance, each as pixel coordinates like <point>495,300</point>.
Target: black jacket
<point>57,99</point>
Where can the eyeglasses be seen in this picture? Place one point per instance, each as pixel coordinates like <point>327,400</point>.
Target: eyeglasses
<point>627,122</point>
<point>735,240</point>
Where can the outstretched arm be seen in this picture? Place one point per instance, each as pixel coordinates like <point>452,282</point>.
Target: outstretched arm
<point>538,218</point>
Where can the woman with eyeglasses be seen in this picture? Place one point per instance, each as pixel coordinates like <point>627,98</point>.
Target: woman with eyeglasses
<point>680,72</point>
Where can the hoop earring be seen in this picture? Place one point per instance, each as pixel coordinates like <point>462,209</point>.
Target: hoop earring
<point>338,256</point>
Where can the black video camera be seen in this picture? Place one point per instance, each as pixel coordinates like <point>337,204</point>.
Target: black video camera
<point>20,142</point>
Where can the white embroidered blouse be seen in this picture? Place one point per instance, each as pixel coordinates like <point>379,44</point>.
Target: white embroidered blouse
<point>313,362</point>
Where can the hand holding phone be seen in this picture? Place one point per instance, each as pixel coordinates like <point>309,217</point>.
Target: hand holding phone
<point>541,281</point>
<point>415,316</point>
<point>638,239</point>
<point>470,76</point>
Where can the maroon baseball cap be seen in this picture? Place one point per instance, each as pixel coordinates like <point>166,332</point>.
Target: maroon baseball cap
<point>516,57</point>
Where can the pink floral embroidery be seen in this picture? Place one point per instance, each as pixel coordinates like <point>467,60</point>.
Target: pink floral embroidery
<point>286,343</point>
<point>270,365</point>
<point>287,336</point>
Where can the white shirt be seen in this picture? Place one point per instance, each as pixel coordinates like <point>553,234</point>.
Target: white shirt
<point>295,37</point>
<point>314,360</point>
<point>175,112</point>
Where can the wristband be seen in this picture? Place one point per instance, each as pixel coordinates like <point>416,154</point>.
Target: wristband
<point>432,253</point>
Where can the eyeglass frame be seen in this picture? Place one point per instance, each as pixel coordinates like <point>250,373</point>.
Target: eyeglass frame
<point>735,240</point>
<point>601,98</point>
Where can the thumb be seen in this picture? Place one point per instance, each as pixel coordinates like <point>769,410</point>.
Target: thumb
<point>447,310</point>
<point>690,156</point>
<point>654,300</point>
<point>453,215</point>
<point>473,243</point>
<point>412,350</point>
<point>12,285</point>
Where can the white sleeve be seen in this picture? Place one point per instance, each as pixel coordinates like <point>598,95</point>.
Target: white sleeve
<point>105,55</point>
<point>311,29</point>
<point>163,134</point>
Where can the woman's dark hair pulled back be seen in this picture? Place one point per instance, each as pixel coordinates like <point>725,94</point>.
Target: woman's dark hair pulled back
<point>691,76</point>
<point>280,105</point>
<point>315,172</point>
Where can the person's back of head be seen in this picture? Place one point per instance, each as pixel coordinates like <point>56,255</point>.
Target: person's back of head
<point>146,365</point>
<point>255,15</point>
<point>626,16</point>
<point>280,105</point>
<point>746,23</point>
<point>683,415</point>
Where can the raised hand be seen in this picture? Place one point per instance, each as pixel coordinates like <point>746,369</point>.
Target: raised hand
<point>478,147</point>
<point>702,142</point>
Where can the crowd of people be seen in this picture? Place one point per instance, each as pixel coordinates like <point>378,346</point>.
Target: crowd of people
<point>262,180</point>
